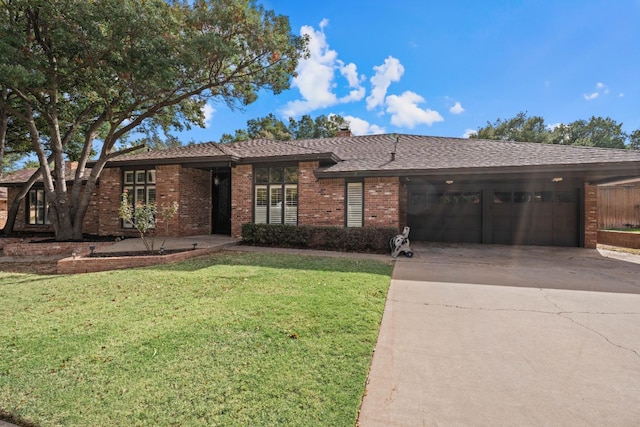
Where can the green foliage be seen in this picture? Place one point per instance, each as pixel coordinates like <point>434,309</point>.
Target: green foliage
<point>144,217</point>
<point>597,132</point>
<point>77,71</point>
<point>270,127</point>
<point>634,140</point>
<point>365,239</point>
<point>224,340</point>
<point>519,128</point>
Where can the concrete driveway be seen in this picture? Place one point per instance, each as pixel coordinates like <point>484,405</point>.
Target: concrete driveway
<point>496,335</point>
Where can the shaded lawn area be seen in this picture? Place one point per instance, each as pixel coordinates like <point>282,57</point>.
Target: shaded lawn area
<point>229,339</point>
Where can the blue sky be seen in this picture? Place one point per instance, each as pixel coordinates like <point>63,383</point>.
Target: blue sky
<point>444,68</point>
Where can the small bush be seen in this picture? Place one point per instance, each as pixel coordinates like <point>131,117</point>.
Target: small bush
<point>366,239</point>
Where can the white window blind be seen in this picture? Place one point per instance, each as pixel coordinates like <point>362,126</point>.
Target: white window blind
<point>261,204</point>
<point>354,204</point>
<point>291,205</point>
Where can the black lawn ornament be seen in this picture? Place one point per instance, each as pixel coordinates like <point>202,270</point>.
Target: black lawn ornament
<point>400,244</point>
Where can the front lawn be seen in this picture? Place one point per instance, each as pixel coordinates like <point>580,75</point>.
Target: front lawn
<point>230,339</point>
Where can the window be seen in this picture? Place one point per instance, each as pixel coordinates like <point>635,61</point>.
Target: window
<point>37,208</point>
<point>354,204</point>
<point>140,186</point>
<point>276,195</point>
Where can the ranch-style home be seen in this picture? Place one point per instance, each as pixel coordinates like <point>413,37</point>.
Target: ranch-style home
<point>445,189</point>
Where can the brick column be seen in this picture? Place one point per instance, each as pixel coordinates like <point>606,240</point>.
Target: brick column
<point>241,197</point>
<point>590,215</point>
<point>382,202</point>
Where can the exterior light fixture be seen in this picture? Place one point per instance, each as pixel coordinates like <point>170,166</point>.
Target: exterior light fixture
<point>92,248</point>
<point>194,246</point>
<point>557,179</point>
<point>216,180</point>
<point>449,181</point>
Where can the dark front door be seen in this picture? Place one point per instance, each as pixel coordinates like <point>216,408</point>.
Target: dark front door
<point>221,209</point>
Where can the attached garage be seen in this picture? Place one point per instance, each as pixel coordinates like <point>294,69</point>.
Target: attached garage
<point>446,216</point>
<point>545,218</point>
<point>508,214</point>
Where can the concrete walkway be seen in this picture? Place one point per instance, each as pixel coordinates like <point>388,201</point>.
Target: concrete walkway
<point>490,335</point>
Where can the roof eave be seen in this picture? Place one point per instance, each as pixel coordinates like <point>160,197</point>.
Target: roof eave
<point>212,161</point>
<point>591,171</point>
<point>309,157</point>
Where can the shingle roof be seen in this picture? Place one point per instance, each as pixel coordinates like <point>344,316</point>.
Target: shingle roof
<point>23,175</point>
<point>413,152</point>
<point>372,154</point>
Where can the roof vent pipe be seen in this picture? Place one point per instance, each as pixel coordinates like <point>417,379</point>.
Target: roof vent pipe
<point>395,147</point>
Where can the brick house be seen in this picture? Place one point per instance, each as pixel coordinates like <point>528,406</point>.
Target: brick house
<point>445,189</point>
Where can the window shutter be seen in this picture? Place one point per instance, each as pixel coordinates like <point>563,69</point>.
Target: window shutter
<point>354,204</point>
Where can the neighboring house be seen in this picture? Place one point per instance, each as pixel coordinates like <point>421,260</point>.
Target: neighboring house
<point>445,189</point>
<point>3,206</point>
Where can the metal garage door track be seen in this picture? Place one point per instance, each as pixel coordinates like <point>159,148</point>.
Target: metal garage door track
<point>497,335</point>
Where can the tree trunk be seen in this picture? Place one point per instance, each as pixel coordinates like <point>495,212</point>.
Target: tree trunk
<point>15,204</point>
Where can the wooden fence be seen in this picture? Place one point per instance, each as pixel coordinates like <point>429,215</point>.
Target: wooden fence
<point>618,207</point>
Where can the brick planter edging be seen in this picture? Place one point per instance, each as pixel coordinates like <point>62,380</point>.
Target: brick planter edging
<point>23,249</point>
<point>619,238</point>
<point>77,265</point>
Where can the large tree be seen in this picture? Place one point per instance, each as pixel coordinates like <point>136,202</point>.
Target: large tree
<point>102,68</point>
<point>596,132</point>
<point>271,127</point>
<point>519,128</point>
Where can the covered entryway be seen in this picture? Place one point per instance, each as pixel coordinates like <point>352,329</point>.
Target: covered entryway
<point>525,214</point>
<point>221,202</point>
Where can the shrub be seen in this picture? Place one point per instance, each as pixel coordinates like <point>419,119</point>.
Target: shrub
<point>366,239</point>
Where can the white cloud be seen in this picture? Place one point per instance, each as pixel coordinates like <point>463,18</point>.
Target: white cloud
<point>316,76</point>
<point>456,109</point>
<point>554,126</point>
<point>467,133</point>
<point>207,112</point>
<point>621,95</point>
<point>601,89</point>
<point>390,71</point>
<point>362,127</point>
<point>405,112</point>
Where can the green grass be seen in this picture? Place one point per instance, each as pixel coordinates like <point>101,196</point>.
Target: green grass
<point>231,339</point>
<point>628,230</point>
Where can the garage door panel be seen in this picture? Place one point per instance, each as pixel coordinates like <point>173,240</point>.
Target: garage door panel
<point>514,217</point>
<point>450,216</point>
<point>548,218</point>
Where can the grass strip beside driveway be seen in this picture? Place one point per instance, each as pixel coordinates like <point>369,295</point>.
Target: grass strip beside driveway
<point>230,339</point>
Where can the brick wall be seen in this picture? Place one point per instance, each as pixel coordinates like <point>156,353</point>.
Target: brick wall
<point>241,198</point>
<point>109,202</point>
<point>382,202</point>
<point>195,203</point>
<point>590,215</point>
<point>619,238</point>
<point>320,201</point>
